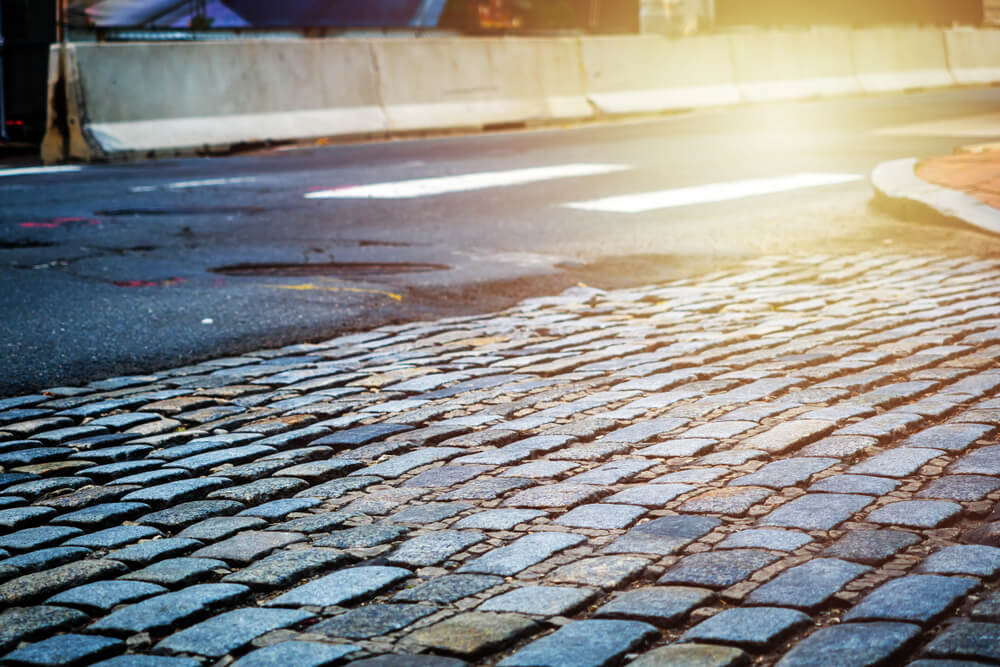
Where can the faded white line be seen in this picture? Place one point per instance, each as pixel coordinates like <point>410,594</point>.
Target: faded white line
<point>715,192</point>
<point>204,183</point>
<point>427,187</point>
<point>29,171</point>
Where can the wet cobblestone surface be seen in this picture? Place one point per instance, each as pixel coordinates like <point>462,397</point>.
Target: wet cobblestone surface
<point>794,462</point>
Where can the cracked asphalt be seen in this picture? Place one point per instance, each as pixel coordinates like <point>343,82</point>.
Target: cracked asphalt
<point>790,462</point>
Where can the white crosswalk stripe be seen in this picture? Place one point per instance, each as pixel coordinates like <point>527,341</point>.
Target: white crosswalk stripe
<point>427,187</point>
<point>716,192</point>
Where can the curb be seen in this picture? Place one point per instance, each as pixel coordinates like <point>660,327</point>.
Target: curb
<point>902,193</point>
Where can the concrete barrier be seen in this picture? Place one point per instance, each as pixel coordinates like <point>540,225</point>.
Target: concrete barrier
<point>140,97</point>
<point>973,55</point>
<point>471,83</point>
<point>786,65</point>
<point>902,58</point>
<point>649,73</point>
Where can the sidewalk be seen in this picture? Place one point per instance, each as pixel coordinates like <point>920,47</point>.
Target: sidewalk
<point>963,188</point>
<point>792,463</point>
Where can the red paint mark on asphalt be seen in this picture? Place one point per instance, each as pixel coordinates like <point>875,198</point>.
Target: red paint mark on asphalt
<point>56,223</point>
<point>169,282</point>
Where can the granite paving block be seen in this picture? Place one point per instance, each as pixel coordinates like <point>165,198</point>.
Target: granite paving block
<point>521,553</point>
<point>540,469</point>
<point>149,551</point>
<point>898,462</point>
<point>448,588</point>
<point>916,513</point>
<point>112,538</point>
<point>428,512</point>
<point>486,489</point>
<point>261,490</point>
<point>68,649</point>
<point>230,631</point>
<point>285,568</point>
<point>335,488</point>
<point>562,494</point>
<point>988,609</point>
<point>808,586</point>
<point>103,514</point>
<point>279,509</point>
<point>383,501</point>
<point>22,517</point>
<point>447,476</point>
<point>884,426</point>
<point>732,457</point>
<point>765,538</point>
<point>755,628</point>
<point>645,429</point>
<point>541,600</point>
<point>717,569</point>
<point>960,487</point>
<point>614,472</point>
<point>662,606</point>
<point>403,463</point>
<point>601,517</point>
<point>692,655</point>
<point>174,572</point>
<point>691,476</point>
<point>361,537</point>
<point>472,634</point>
<point>861,484</point>
<point>787,472</point>
<point>248,546</point>
<point>152,474</point>
<point>342,587</point>
<point>974,559</point>
<point>983,461</point>
<point>37,585</point>
<point>221,527</point>
<point>950,437</point>
<point>788,435</point>
<point>101,597</point>
<point>969,641</point>
<point>208,460</point>
<point>590,643</point>
<point>373,621</point>
<point>729,501</point>
<point>663,536</point>
<point>168,610</point>
<point>298,653</point>
<point>176,492</point>
<point>591,451</point>
<point>20,457</point>
<point>499,519</point>
<point>37,488</point>
<point>852,644</point>
<point>650,495</point>
<point>361,435</point>
<point>313,523</point>
<point>433,548</point>
<point>30,539</point>
<point>919,598</point>
<point>678,447</point>
<point>607,572</point>
<point>26,623</point>
<point>33,561</point>
<point>817,511</point>
<point>871,547</point>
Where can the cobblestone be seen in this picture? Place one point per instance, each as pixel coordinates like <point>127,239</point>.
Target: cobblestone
<point>813,433</point>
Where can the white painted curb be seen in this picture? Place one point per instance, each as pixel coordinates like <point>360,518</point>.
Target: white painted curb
<point>898,183</point>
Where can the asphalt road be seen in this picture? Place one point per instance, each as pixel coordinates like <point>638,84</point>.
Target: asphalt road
<point>128,268</point>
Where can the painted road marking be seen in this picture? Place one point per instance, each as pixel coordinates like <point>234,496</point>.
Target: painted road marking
<point>311,287</point>
<point>28,171</point>
<point>705,194</point>
<point>427,187</point>
<point>185,185</point>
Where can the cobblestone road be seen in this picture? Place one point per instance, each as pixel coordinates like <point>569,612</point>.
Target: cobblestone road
<point>793,463</point>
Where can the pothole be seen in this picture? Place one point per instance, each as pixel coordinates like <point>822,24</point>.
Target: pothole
<point>339,269</point>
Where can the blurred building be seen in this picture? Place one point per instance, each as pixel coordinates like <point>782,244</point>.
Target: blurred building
<point>778,13</point>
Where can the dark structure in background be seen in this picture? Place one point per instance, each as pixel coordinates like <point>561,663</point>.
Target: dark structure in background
<point>533,16</point>
<point>27,28</point>
<point>860,13</point>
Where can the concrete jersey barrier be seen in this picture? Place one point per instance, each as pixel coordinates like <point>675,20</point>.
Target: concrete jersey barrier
<point>645,74</point>
<point>974,55</point>
<point>898,59</point>
<point>788,65</point>
<point>141,97</point>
